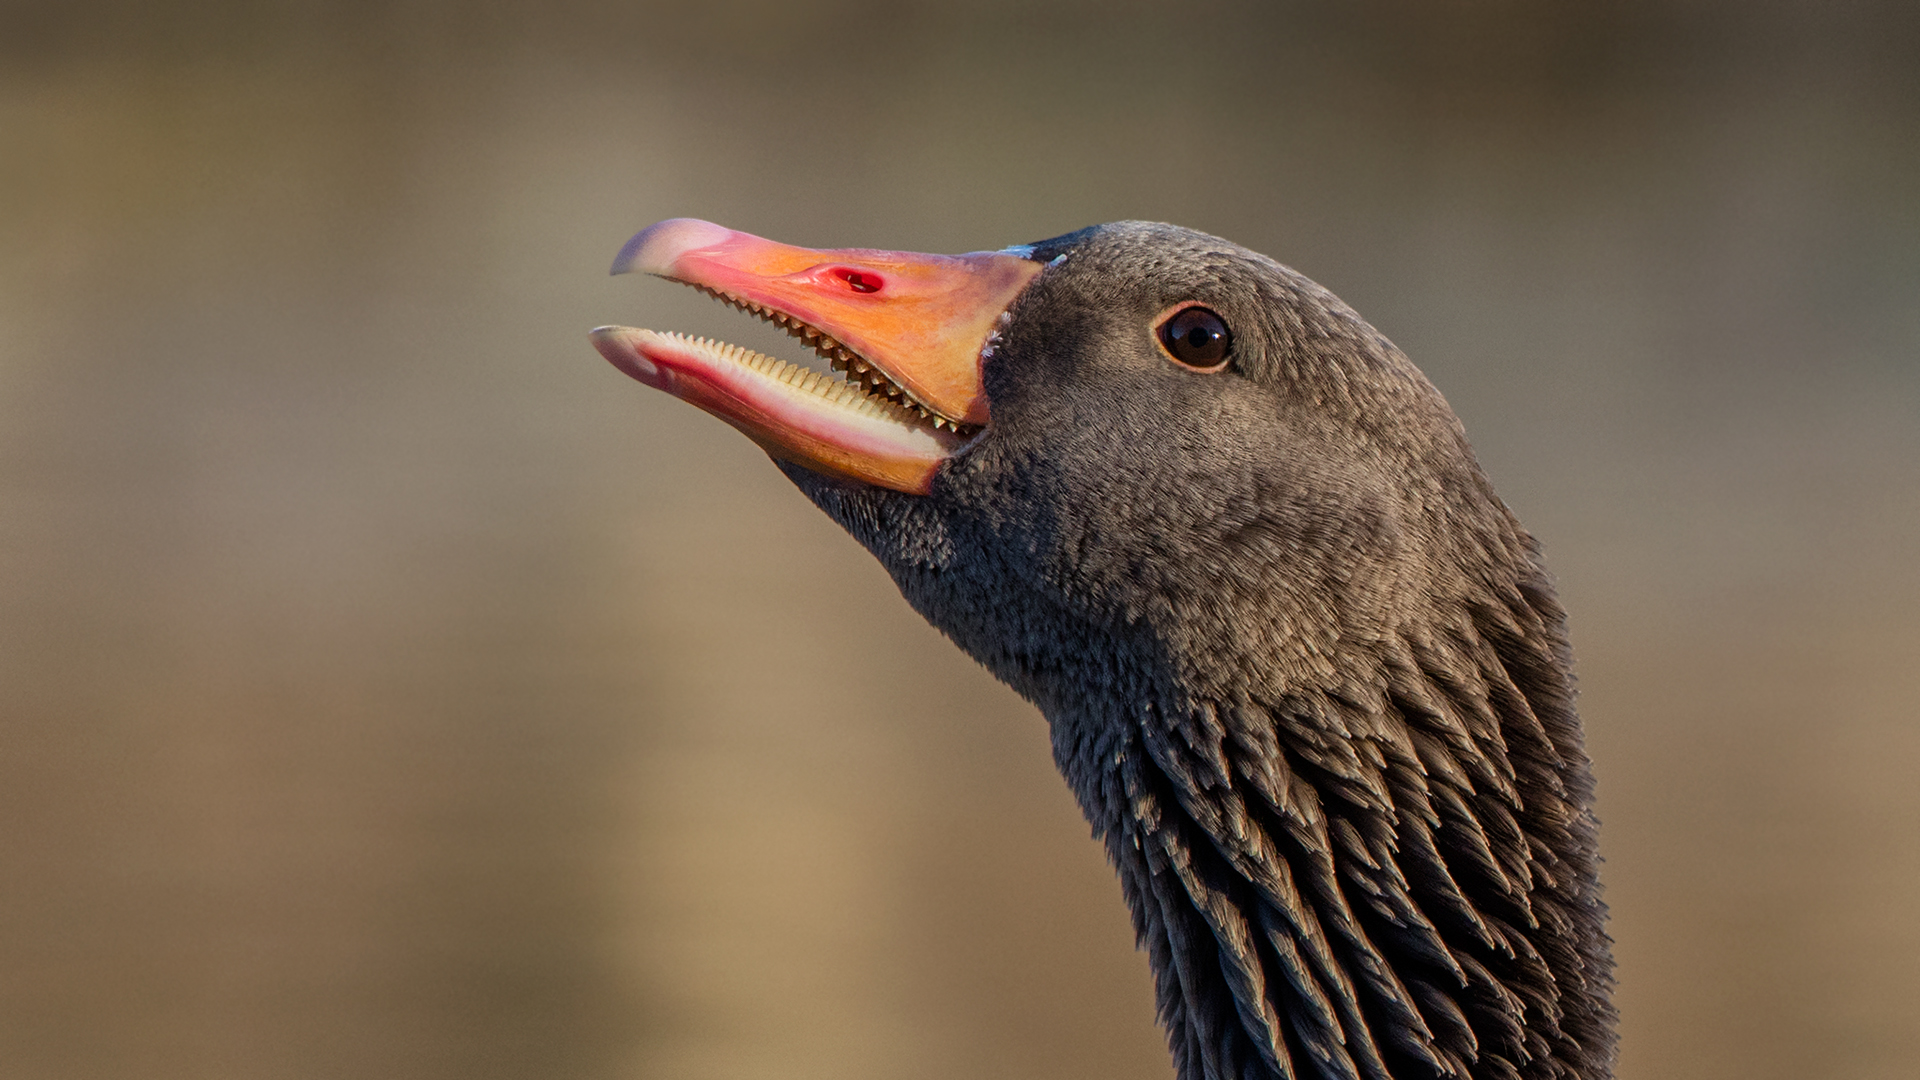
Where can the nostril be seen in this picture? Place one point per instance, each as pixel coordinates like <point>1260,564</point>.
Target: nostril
<point>861,281</point>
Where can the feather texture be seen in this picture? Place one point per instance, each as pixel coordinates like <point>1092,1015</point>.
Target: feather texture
<point>1302,669</point>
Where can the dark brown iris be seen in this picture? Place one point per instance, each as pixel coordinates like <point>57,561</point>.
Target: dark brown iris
<point>1197,337</point>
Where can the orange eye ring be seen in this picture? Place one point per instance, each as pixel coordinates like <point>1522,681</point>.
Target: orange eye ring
<point>1195,337</point>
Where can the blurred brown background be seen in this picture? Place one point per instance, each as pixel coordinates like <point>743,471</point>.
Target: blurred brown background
<point>390,689</point>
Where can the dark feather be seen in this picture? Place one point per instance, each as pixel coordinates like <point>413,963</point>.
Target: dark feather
<point>1302,668</point>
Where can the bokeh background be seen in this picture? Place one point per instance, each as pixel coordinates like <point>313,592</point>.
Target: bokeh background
<point>391,689</point>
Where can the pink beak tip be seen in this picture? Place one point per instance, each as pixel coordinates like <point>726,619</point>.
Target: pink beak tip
<point>654,249</point>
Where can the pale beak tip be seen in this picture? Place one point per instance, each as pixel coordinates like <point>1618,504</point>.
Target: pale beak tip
<point>620,345</point>
<point>654,249</point>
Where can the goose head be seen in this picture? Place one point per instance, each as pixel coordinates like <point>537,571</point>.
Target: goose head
<point>1302,669</point>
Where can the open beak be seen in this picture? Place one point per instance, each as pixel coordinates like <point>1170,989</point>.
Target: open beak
<point>907,329</point>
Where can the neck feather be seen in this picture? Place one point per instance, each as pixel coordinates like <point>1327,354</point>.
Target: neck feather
<point>1391,876</point>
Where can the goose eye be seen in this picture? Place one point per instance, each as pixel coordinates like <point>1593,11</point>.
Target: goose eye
<point>1196,337</point>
